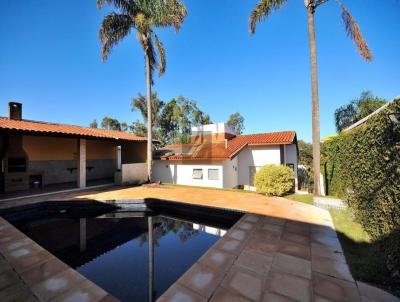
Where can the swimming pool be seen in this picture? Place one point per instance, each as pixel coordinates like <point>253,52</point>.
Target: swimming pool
<point>134,255</point>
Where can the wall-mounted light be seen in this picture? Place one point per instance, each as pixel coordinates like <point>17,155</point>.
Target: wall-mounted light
<point>395,117</point>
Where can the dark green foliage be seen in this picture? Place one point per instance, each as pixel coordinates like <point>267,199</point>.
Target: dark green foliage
<point>171,121</point>
<point>362,167</point>
<point>93,124</point>
<point>236,122</point>
<point>110,123</point>
<point>357,109</point>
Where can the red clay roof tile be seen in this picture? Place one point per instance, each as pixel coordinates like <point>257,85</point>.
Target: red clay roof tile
<point>52,128</point>
<point>218,151</point>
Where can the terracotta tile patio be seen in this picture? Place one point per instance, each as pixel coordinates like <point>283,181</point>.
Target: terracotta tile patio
<point>281,250</point>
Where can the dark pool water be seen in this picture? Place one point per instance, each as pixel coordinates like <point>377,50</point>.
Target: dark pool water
<point>114,249</point>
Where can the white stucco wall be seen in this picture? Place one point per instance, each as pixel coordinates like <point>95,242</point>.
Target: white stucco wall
<point>182,174</point>
<point>131,174</point>
<point>291,158</point>
<point>256,156</point>
<point>231,173</point>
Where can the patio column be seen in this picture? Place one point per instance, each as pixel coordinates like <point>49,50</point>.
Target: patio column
<point>81,163</point>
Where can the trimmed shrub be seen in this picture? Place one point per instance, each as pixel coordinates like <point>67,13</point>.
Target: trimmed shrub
<point>274,180</point>
<point>363,168</point>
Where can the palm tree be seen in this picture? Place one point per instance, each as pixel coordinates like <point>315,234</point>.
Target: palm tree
<point>263,10</point>
<point>144,16</point>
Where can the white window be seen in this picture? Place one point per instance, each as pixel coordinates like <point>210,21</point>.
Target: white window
<point>197,174</point>
<point>213,174</point>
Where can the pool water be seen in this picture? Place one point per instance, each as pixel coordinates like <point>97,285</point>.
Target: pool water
<point>133,255</point>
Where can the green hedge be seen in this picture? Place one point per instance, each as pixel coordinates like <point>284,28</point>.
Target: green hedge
<point>362,166</point>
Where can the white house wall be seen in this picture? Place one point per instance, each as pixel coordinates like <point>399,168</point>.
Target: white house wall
<point>291,157</point>
<point>231,173</point>
<point>256,157</point>
<point>182,174</point>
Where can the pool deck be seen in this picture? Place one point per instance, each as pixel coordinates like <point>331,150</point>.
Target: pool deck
<point>281,250</point>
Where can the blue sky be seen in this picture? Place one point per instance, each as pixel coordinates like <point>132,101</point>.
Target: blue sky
<point>50,60</point>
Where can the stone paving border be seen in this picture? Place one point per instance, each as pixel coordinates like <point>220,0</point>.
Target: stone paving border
<point>265,258</point>
<point>270,255</point>
<point>29,273</point>
<point>329,203</point>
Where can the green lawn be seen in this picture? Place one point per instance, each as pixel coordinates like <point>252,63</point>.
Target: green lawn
<point>305,198</point>
<point>362,254</point>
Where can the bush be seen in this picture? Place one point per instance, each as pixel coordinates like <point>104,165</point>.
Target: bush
<point>274,180</point>
<point>362,167</point>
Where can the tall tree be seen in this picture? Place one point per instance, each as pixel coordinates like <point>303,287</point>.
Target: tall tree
<point>139,104</point>
<point>236,122</point>
<point>179,116</point>
<point>110,123</point>
<point>93,124</point>
<point>357,109</point>
<point>263,10</point>
<point>144,16</point>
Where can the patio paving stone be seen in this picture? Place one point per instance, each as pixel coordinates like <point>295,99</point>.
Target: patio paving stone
<point>225,295</point>
<point>296,238</point>
<point>109,298</point>
<point>255,262</point>
<point>323,251</point>
<point>335,289</point>
<point>43,271</point>
<point>217,259</point>
<point>337,269</point>
<point>245,282</point>
<point>290,286</point>
<point>22,264</point>
<point>263,247</point>
<point>8,278</point>
<point>245,226</point>
<point>85,292</point>
<point>294,249</point>
<point>202,279</point>
<point>57,285</point>
<point>271,297</point>
<point>17,292</point>
<point>332,242</point>
<point>292,265</point>
<point>179,293</point>
<point>229,245</point>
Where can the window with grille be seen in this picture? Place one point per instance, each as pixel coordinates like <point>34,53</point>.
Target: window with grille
<point>197,174</point>
<point>213,174</point>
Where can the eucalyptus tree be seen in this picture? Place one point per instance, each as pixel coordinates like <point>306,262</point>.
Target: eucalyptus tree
<point>142,16</point>
<point>263,9</point>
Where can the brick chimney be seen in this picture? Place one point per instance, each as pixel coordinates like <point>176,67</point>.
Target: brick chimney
<point>15,111</point>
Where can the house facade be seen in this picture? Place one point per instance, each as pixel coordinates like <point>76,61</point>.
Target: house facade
<point>39,155</point>
<point>217,157</point>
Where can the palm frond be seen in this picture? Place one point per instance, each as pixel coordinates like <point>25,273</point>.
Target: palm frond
<point>125,6</point>
<point>262,11</point>
<point>161,54</point>
<point>354,32</point>
<point>113,29</point>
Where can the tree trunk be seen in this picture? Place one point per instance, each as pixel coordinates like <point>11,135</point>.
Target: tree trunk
<point>315,101</point>
<point>149,128</point>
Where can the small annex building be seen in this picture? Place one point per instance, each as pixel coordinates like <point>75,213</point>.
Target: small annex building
<point>217,157</point>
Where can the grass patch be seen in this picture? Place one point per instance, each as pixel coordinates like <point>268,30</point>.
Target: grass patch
<point>304,198</point>
<point>365,261</point>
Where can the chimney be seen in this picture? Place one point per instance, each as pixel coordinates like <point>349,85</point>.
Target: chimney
<point>15,111</point>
